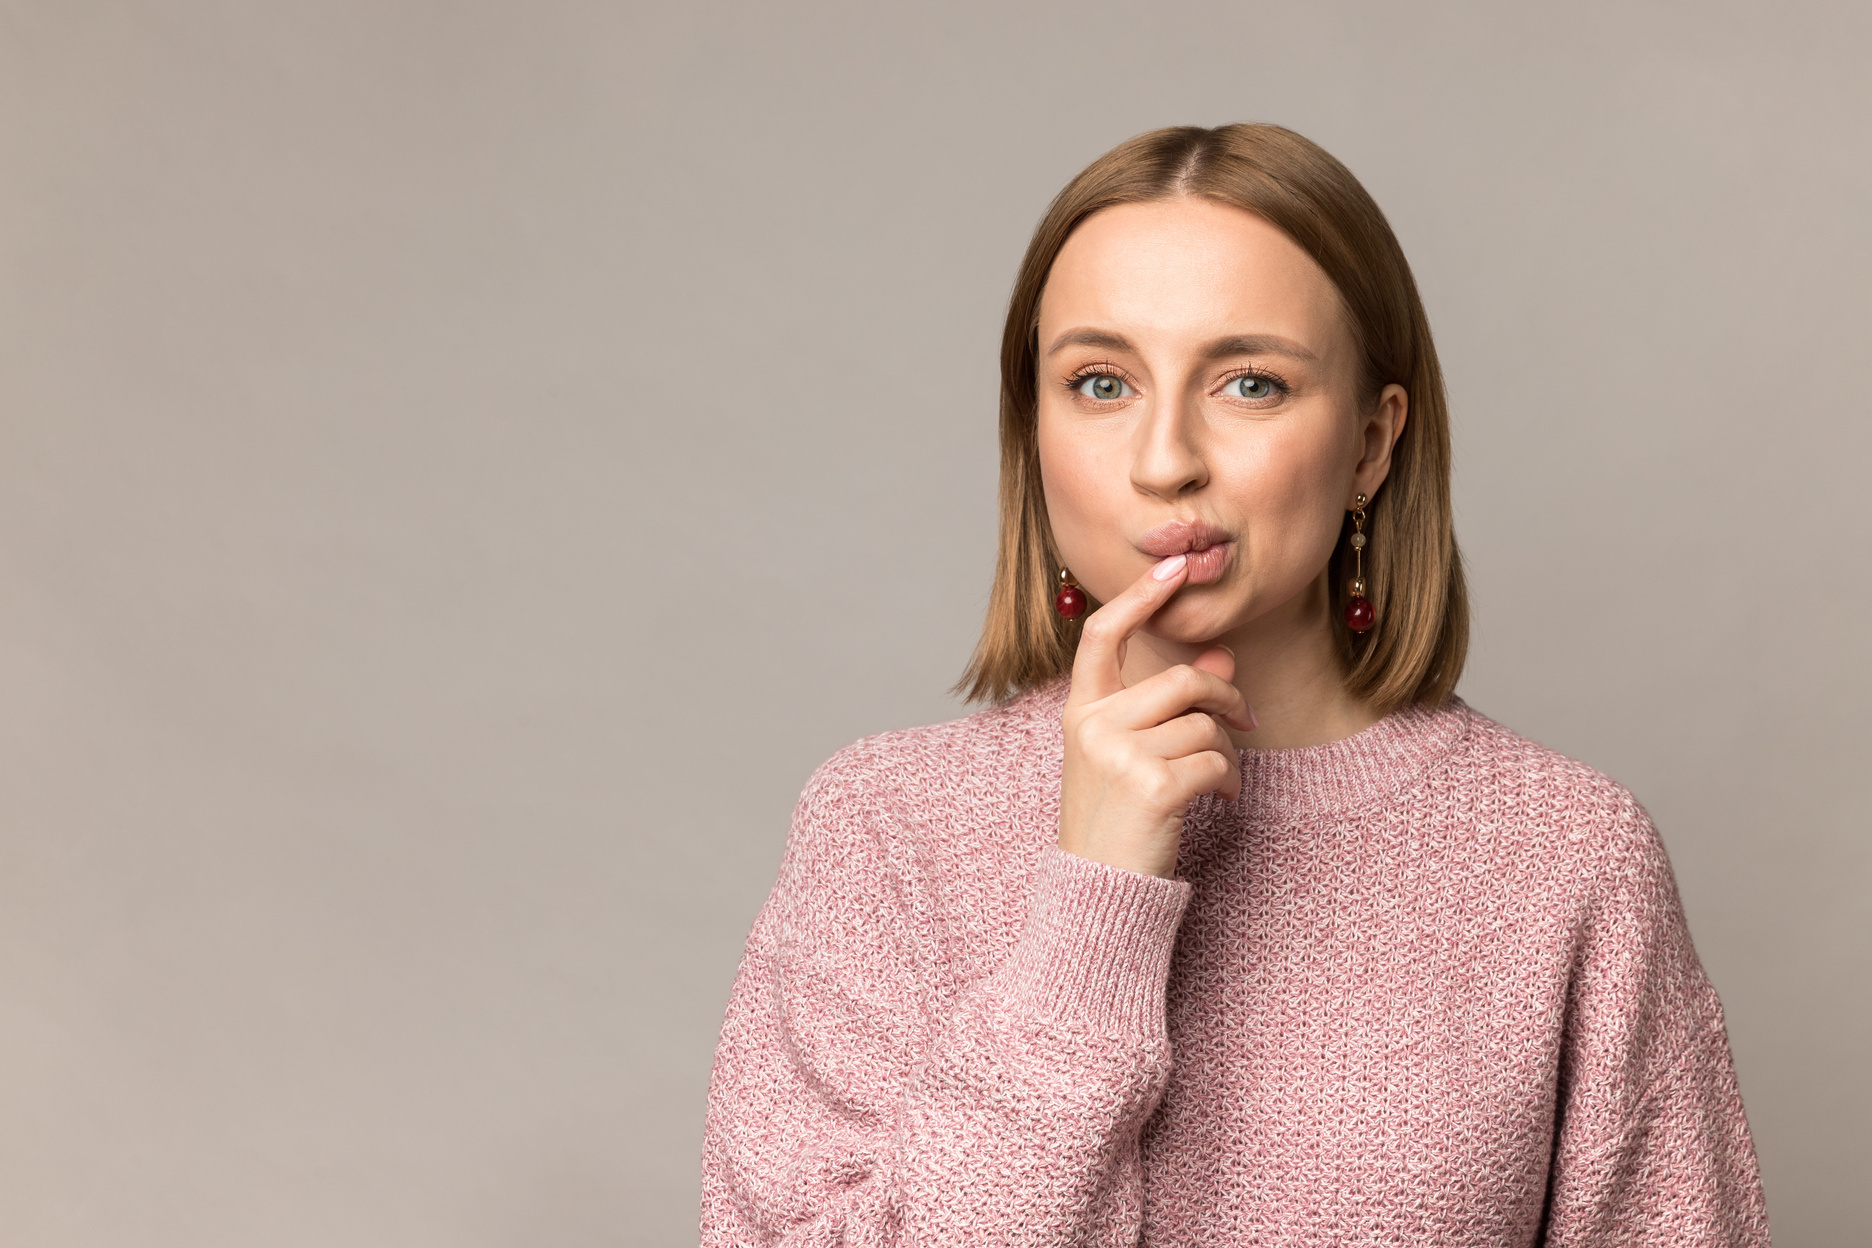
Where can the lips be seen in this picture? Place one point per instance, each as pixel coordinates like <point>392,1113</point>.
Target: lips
<point>1208,547</point>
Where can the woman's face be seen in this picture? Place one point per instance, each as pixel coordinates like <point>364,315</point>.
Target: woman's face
<point>1198,394</point>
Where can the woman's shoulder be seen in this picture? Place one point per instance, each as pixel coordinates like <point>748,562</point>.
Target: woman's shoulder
<point>1505,779</point>
<point>999,747</point>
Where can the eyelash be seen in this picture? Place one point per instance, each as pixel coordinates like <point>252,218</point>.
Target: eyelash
<point>1080,375</point>
<point>1261,374</point>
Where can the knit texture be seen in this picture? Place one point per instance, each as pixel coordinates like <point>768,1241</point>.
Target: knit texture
<point>1429,985</point>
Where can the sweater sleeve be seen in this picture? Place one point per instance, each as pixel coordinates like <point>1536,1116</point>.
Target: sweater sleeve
<point>1652,1147</point>
<point>850,1105</point>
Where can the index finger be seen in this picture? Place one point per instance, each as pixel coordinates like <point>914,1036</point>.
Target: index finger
<point>1096,667</point>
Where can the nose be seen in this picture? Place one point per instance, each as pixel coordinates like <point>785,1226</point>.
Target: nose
<point>1167,459</point>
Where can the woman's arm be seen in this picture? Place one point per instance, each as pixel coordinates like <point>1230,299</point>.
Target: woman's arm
<point>856,1100</point>
<point>851,1106</point>
<point>1653,1147</point>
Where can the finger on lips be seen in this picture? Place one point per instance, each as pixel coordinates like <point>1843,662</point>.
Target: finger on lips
<point>1096,665</point>
<point>1167,569</point>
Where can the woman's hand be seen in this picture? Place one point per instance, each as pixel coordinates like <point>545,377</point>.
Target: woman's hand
<point>1136,757</point>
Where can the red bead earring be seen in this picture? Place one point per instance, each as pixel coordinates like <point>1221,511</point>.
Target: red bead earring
<point>1359,613</point>
<point>1070,602</point>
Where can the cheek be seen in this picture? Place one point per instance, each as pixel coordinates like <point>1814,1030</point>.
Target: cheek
<point>1286,491</point>
<point>1087,485</point>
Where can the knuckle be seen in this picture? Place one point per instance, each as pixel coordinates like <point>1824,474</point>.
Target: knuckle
<point>1210,770</point>
<point>1158,787</point>
<point>1128,756</point>
<point>1102,751</point>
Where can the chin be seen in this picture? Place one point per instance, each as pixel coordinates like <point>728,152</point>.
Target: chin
<point>1194,621</point>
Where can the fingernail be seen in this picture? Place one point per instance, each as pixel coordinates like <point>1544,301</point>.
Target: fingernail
<point>1253,723</point>
<point>1169,567</point>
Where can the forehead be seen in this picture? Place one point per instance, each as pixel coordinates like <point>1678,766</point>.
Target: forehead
<point>1190,269</point>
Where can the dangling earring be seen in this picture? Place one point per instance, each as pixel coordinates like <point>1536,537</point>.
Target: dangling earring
<point>1359,614</point>
<point>1070,602</point>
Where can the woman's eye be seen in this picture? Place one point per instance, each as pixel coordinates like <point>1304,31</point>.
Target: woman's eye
<point>1250,387</point>
<point>1104,387</point>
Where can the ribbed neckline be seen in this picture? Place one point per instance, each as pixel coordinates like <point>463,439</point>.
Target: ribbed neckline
<point>1338,777</point>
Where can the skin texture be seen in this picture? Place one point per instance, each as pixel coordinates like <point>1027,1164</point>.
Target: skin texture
<point>1154,318</point>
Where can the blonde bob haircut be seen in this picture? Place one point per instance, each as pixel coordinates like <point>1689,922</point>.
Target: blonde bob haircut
<point>1412,567</point>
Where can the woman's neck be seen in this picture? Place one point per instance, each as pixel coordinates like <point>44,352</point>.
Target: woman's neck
<point>1288,667</point>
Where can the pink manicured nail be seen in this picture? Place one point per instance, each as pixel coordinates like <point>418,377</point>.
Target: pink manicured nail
<point>1253,723</point>
<point>1169,567</point>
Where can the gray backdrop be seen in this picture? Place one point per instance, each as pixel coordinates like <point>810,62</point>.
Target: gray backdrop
<point>464,464</point>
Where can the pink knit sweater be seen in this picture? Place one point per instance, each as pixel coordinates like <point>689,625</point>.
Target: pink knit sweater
<point>1429,985</point>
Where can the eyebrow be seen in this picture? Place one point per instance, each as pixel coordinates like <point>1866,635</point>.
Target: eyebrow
<point>1221,348</point>
<point>1090,338</point>
<point>1256,344</point>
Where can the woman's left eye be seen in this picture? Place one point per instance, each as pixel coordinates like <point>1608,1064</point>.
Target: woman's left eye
<point>1104,387</point>
<point>1251,387</point>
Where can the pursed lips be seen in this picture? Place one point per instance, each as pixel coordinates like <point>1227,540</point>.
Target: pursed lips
<point>1207,547</point>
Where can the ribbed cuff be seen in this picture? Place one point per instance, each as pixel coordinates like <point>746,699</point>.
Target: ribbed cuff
<point>1096,950</point>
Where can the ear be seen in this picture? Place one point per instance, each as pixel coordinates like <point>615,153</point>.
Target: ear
<point>1378,433</point>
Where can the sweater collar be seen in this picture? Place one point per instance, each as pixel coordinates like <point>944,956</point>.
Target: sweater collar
<point>1339,778</point>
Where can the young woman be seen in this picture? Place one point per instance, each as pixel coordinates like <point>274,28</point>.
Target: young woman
<point>1227,923</point>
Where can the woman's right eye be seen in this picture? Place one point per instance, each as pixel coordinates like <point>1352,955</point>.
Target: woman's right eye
<point>1104,387</point>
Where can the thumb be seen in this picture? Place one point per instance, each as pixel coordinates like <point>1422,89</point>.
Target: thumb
<point>1218,660</point>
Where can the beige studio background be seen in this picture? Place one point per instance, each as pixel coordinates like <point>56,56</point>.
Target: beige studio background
<point>463,464</point>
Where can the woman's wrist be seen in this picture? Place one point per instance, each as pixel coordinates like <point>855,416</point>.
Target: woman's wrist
<point>1129,855</point>
<point>1097,945</point>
